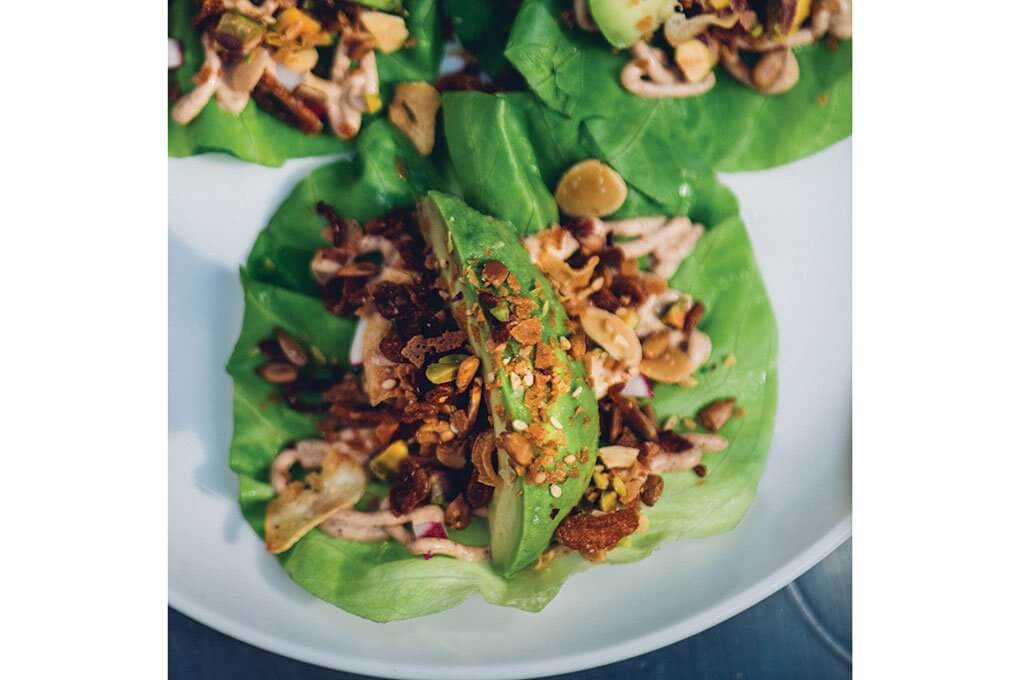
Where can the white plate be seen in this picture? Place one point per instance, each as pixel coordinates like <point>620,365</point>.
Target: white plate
<point>220,574</point>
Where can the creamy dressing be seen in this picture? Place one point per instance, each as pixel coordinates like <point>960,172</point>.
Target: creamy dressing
<point>212,80</point>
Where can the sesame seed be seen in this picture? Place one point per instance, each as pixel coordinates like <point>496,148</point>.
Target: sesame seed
<point>555,490</point>
<point>556,422</point>
<point>670,423</point>
<point>577,392</point>
<point>519,425</point>
<point>564,343</point>
<point>490,377</point>
<point>570,460</point>
<point>690,424</point>
<point>389,384</point>
<point>529,379</point>
<point>730,361</point>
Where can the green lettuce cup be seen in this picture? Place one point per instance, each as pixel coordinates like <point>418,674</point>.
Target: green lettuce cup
<point>730,127</point>
<point>255,135</point>
<point>383,581</point>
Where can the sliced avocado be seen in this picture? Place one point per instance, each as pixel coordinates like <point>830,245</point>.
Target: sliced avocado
<point>623,23</point>
<point>783,17</point>
<point>523,514</point>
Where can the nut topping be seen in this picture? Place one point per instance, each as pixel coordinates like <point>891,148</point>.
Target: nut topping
<point>517,447</point>
<point>715,415</point>
<point>590,189</point>
<point>413,112</point>
<point>613,334</point>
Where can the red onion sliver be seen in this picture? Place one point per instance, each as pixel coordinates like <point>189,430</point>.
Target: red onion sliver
<point>638,386</point>
<point>429,530</point>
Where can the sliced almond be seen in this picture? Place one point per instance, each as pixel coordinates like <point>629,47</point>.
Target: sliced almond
<point>413,112</point>
<point>618,456</point>
<point>694,59</point>
<point>390,31</point>
<point>613,334</point>
<point>674,365</point>
<point>590,189</point>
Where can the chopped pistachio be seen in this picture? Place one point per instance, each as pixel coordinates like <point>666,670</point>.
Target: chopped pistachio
<point>501,311</point>
<point>373,102</point>
<point>441,373</point>
<point>453,359</point>
<point>238,33</point>
<point>387,462</point>
<point>607,502</point>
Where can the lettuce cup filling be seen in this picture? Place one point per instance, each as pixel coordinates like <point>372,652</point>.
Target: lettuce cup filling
<point>432,401</point>
<point>280,79</point>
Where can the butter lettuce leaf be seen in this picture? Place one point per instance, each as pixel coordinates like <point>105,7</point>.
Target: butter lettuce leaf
<point>730,128</point>
<point>257,137</point>
<point>382,581</point>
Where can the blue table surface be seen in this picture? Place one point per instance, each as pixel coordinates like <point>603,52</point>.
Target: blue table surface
<point>802,631</point>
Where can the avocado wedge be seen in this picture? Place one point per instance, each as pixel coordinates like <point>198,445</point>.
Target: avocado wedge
<point>547,424</point>
<point>624,23</point>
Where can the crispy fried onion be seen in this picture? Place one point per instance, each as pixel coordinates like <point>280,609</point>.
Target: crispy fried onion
<point>231,86</point>
<point>303,505</point>
<point>648,75</point>
<point>371,527</point>
<point>698,443</point>
<point>349,92</point>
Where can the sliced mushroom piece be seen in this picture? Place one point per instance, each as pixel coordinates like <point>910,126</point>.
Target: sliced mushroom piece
<point>305,504</point>
<point>413,112</point>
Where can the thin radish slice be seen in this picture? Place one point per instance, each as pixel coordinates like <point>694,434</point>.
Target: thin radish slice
<point>638,386</point>
<point>174,55</point>
<point>429,530</point>
<point>357,354</point>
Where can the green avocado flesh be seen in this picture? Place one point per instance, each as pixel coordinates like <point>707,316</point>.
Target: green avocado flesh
<point>522,516</point>
<point>623,23</point>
